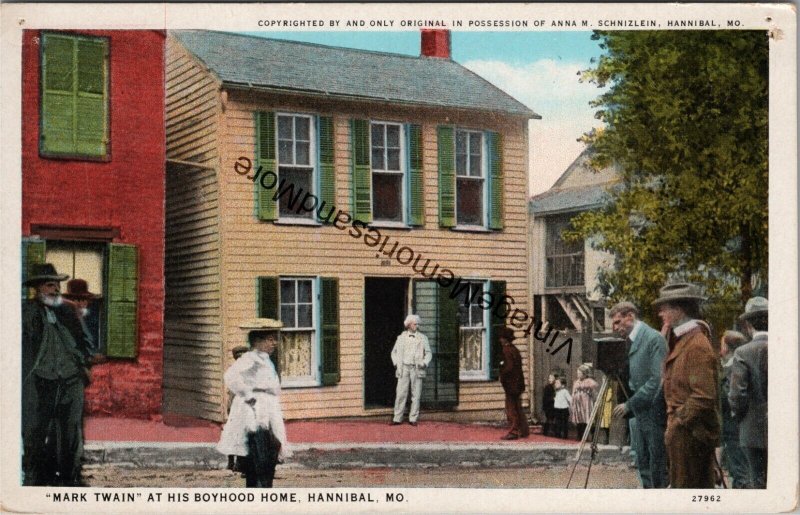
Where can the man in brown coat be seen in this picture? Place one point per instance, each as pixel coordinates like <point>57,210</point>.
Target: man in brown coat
<point>691,380</point>
<point>513,381</point>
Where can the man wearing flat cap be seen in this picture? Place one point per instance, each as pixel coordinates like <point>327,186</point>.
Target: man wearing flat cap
<point>691,388</point>
<point>748,390</point>
<point>55,354</point>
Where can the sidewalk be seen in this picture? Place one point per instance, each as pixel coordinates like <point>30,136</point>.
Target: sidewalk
<point>333,444</point>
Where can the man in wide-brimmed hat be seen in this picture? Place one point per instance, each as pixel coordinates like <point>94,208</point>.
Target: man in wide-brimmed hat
<point>55,353</point>
<point>255,433</point>
<point>691,388</point>
<point>79,296</point>
<point>748,390</point>
<point>513,380</point>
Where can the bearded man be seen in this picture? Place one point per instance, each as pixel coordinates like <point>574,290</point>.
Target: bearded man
<point>55,354</point>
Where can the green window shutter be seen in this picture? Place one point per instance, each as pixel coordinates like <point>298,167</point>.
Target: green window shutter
<point>327,171</point>
<point>448,334</point>
<point>447,177</point>
<point>266,207</point>
<point>33,252</point>
<point>495,146</point>
<point>57,131</point>
<point>416,197</point>
<point>497,290</point>
<point>123,275</point>
<point>91,98</point>
<point>267,297</point>
<point>329,295</point>
<point>362,174</point>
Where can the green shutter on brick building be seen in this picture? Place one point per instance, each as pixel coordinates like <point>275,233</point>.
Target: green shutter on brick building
<point>266,207</point>
<point>123,286</point>
<point>327,171</point>
<point>362,173</point>
<point>329,304</point>
<point>447,177</point>
<point>416,195</point>
<point>33,253</point>
<point>74,112</point>
<point>495,146</point>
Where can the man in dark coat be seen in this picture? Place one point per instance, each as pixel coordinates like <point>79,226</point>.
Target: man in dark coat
<point>748,390</point>
<point>513,381</point>
<point>55,354</point>
<point>646,351</point>
<point>691,388</point>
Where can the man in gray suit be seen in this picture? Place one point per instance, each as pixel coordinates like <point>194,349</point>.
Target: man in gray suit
<point>748,390</point>
<point>647,349</point>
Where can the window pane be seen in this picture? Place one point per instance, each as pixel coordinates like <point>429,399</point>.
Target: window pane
<point>300,179</point>
<point>377,135</point>
<point>287,292</point>
<point>304,316</point>
<point>294,355</point>
<point>461,142</point>
<point>393,136</point>
<point>461,164</point>
<point>304,291</point>
<point>302,157</point>
<point>302,128</point>
<point>475,166</point>
<point>470,201</point>
<point>377,159</point>
<point>475,139</point>
<point>477,315</point>
<point>287,315</point>
<point>285,127</point>
<point>285,152</point>
<point>387,197</point>
<point>393,159</point>
<point>471,350</point>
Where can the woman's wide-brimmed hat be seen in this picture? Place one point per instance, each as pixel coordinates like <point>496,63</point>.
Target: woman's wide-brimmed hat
<point>755,306</point>
<point>679,291</point>
<point>42,273</point>
<point>261,324</point>
<point>78,289</point>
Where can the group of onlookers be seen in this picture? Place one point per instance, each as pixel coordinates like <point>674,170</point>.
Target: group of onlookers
<point>685,404</point>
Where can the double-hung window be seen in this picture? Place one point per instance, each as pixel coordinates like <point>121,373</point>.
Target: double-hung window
<point>473,343</point>
<point>470,178</point>
<point>296,161</point>
<point>298,351</point>
<point>388,172</point>
<point>74,106</point>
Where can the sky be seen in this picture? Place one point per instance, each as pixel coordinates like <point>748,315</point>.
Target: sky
<point>540,69</point>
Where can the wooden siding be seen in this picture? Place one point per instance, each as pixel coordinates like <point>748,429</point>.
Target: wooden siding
<point>192,335</point>
<point>251,248</point>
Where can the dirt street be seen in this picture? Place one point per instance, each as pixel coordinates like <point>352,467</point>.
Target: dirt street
<point>602,476</point>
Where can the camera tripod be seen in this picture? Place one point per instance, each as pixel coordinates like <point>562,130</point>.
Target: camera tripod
<point>593,420</point>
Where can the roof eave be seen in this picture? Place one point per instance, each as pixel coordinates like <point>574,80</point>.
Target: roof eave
<point>566,209</point>
<point>527,114</point>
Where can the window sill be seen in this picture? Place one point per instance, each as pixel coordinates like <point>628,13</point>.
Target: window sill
<point>474,379</point>
<point>471,228</point>
<point>300,383</point>
<point>390,225</point>
<point>297,221</point>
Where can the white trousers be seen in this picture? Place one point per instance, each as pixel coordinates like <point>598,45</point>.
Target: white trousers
<point>408,377</point>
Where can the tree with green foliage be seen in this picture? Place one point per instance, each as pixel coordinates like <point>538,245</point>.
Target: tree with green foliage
<point>685,117</point>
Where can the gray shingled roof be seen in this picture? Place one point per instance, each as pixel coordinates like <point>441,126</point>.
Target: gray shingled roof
<point>344,72</point>
<point>570,199</point>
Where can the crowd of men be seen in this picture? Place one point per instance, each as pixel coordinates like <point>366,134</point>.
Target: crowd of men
<point>686,404</point>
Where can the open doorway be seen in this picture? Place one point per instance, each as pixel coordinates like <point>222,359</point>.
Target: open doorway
<point>384,312</point>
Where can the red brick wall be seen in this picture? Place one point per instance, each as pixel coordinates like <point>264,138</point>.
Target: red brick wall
<point>126,192</point>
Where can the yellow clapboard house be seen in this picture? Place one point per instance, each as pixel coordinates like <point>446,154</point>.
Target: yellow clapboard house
<point>415,154</point>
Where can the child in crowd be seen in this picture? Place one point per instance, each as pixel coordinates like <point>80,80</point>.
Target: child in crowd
<point>561,408</point>
<point>548,396</point>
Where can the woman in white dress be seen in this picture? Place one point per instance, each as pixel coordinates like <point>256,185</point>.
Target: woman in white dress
<point>255,432</point>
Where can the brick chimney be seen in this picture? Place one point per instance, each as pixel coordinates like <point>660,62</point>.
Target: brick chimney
<point>436,43</point>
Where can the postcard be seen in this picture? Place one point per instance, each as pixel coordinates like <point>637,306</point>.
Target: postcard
<point>313,258</point>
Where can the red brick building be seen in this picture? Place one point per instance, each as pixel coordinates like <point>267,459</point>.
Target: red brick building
<point>93,154</point>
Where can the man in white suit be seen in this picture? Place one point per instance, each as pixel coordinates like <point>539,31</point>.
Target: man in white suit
<point>411,356</point>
